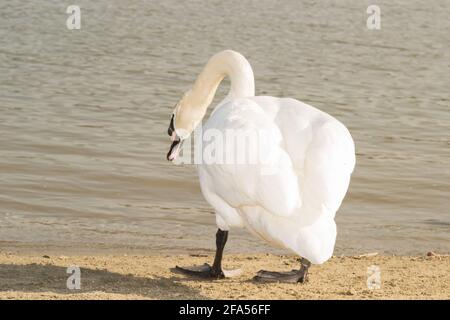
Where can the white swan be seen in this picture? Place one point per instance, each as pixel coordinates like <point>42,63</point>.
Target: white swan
<point>292,206</point>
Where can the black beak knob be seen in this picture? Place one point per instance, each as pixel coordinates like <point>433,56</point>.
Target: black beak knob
<point>171,127</point>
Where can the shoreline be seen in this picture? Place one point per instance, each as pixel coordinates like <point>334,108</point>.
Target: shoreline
<point>33,276</point>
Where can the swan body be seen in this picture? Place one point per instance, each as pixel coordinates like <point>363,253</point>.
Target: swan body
<point>312,155</point>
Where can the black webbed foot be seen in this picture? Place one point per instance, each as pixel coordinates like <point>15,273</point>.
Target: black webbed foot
<point>204,271</point>
<point>293,276</point>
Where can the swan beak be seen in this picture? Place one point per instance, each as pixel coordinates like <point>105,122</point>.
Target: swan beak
<point>174,149</point>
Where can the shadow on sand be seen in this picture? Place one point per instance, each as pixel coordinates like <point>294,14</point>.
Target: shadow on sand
<point>35,278</point>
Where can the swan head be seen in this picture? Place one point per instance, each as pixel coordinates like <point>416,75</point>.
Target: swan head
<point>188,113</point>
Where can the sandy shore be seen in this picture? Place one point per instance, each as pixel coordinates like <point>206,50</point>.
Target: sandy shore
<point>149,277</point>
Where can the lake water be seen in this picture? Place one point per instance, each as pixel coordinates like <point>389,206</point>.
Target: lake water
<point>84,115</point>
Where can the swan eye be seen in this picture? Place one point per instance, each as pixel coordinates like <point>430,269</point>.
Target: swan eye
<point>171,127</point>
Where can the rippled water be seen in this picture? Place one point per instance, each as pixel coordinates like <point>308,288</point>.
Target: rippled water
<point>84,115</point>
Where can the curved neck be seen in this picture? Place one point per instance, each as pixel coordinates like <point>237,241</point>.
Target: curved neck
<point>191,109</point>
<point>226,63</point>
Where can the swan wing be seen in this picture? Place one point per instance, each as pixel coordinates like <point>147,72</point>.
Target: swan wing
<point>264,177</point>
<point>303,158</point>
<point>321,150</point>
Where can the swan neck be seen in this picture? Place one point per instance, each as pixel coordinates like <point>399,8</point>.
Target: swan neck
<point>191,109</point>
<point>230,64</point>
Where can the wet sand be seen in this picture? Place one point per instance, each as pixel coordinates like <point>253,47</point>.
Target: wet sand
<point>149,277</point>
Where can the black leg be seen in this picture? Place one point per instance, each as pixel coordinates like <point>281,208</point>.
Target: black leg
<point>293,276</point>
<point>221,240</point>
<point>205,270</point>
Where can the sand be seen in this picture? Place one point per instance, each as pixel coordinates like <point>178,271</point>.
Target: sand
<point>149,277</point>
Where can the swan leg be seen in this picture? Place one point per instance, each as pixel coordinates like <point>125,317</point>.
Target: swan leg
<point>293,276</point>
<point>206,271</point>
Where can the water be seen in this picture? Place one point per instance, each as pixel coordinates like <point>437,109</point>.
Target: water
<point>84,115</point>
